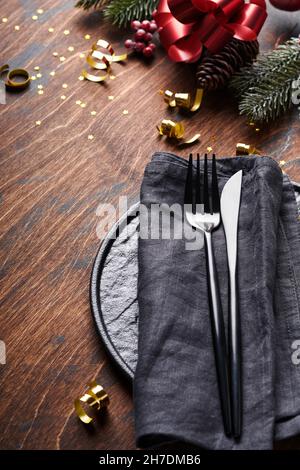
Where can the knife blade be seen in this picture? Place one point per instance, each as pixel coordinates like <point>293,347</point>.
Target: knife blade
<point>230,206</point>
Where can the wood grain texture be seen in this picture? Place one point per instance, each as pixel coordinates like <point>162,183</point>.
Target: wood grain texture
<point>52,180</point>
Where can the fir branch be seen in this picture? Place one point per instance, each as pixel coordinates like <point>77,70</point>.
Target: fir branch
<point>87,4</point>
<point>121,12</point>
<point>265,88</point>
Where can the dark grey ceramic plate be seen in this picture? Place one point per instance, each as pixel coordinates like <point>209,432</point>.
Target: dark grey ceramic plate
<point>113,290</point>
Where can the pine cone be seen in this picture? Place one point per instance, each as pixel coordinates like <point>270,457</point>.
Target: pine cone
<point>214,71</point>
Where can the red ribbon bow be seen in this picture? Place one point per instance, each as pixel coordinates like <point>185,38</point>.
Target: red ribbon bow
<point>188,25</point>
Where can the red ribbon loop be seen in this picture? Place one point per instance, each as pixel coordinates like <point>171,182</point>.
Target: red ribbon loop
<point>188,25</point>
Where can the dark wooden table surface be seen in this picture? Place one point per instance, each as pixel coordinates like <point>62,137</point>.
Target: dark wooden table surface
<point>53,177</point>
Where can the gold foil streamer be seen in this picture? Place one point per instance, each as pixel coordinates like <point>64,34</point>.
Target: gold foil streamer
<point>99,60</point>
<point>184,100</point>
<point>245,149</point>
<point>95,397</point>
<point>12,84</point>
<point>175,130</point>
<point>111,57</point>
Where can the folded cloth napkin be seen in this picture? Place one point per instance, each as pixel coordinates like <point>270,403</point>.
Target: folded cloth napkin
<point>175,385</point>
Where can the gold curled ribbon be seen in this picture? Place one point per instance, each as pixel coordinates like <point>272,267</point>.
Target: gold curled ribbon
<point>95,397</point>
<point>111,57</point>
<point>175,130</point>
<point>4,69</point>
<point>184,100</point>
<point>245,149</point>
<point>99,60</point>
<point>12,84</point>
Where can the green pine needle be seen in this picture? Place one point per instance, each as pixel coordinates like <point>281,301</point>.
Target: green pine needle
<point>121,12</point>
<point>87,4</point>
<point>265,88</point>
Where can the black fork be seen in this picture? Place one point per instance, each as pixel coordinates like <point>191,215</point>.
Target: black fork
<point>207,221</point>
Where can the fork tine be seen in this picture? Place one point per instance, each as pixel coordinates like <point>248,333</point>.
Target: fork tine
<point>188,195</point>
<point>214,187</point>
<point>205,189</point>
<point>198,182</point>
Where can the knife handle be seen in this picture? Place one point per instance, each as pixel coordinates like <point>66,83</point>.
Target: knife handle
<point>235,353</point>
<point>218,334</point>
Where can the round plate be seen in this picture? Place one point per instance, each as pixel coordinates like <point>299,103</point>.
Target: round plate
<point>113,289</point>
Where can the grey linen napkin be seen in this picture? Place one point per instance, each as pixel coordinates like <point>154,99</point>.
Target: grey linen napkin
<point>175,384</point>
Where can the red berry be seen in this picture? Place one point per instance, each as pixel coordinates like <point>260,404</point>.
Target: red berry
<point>148,52</point>
<point>139,46</point>
<point>153,27</point>
<point>140,34</point>
<point>146,25</point>
<point>128,43</point>
<point>147,37</point>
<point>135,24</point>
<point>152,46</point>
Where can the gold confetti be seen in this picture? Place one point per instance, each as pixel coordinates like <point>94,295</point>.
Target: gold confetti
<point>4,20</point>
<point>41,92</point>
<point>66,32</point>
<point>80,77</point>
<point>35,17</point>
<point>83,105</point>
<point>52,73</point>
<point>87,36</point>
<point>209,149</point>
<point>111,97</point>
<point>64,85</point>
<point>38,123</point>
<point>36,67</point>
<point>17,27</point>
<point>33,77</point>
<point>90,136</point>
<point>81,55</point>
<point>282,162</point>
<point>40,87</point>
<point>40,11</point>
<point>78,102</point>
<point>39,75</point>
<point>63,97</point>
<point>70,48</point>
<point>251,124</point>
<point>93,113</point>
<point>112,77</point>
<point>62,58</point>
<point>257,129</point>
<point>55,54</point>
<point>51,30</point>
<point>125,111</point>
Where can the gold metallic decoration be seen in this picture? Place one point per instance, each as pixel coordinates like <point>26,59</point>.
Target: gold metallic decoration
<point>184,100</point>
<point>111,57</point>
<point>12,84</point>
<point>95,397</point>
<point>175,130</point>
<point>4,69</point>
<point>245,149</point>
<point>100,58</point>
